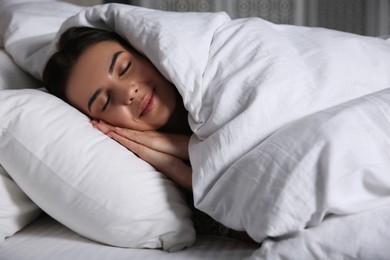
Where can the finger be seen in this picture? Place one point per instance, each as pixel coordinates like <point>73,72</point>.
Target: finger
<point>154,140</point>
<point>172,144</point>
<point>129,144</point>
<point>145,153</point>
<point>171,166</point>
<point>103,127</point>
<point>145,138</point>
<point>155,158</point>
<point>133,135</point>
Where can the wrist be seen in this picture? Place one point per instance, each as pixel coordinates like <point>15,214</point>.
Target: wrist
<point>180,173</point>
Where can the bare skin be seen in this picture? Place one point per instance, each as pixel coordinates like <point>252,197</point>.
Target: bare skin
<point>120,88</point>
<point>168,153</point>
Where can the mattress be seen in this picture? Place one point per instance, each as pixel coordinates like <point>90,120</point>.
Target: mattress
<point>46,238</point>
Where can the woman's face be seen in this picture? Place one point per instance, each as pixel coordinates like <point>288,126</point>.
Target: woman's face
<point>122,88</point>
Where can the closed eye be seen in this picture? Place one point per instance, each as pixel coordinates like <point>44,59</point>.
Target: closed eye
<point>107,102</point>
<point>124,70</point>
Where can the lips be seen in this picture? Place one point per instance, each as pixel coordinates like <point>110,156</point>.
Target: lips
<point>146,103</point>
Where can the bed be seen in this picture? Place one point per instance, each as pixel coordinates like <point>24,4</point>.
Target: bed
<point>29,233</point>
<point>291,141</point>
<point>45,238</point>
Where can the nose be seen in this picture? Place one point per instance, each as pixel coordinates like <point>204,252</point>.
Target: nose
<point>130,93</point>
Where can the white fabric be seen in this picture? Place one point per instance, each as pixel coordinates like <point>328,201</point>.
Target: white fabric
<point>46,239</point>
<point>12,77</point>
<point>16,209</point>
<point>358,236</point>
<point>324,184</point>
<point>243,80</point>
<point>86,180</point>
<point>27,28</point>
<point>282,74</point>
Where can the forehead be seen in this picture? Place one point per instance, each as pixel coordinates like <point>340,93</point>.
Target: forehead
<point>90,71</point>
<point>96,54</point>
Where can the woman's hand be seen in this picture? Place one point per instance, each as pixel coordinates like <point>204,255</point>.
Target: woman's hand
<point>166,152</point>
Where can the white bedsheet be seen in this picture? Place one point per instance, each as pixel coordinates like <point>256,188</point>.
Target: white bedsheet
<point>244,80</point>
<point>47,239</point>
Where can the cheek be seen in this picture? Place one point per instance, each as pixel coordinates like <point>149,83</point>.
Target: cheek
<point>119,117</point>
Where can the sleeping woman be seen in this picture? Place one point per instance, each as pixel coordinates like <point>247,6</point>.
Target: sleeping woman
<point>272,151</point>
<point>128,99</point>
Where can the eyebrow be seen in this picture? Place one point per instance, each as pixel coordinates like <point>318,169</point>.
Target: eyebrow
<point>93,98</point>
<point>110,70</point>
<point>113,61</point>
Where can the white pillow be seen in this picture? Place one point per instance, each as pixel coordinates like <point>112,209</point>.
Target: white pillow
<point>84,179</point>
<point>16,209</point>
<point>12,77</point>
<point>27,27</point>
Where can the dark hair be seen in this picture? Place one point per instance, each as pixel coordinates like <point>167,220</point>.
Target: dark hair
<point>72,43</point>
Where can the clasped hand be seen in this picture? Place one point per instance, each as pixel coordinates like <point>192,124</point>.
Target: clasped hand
<point>166,152</point>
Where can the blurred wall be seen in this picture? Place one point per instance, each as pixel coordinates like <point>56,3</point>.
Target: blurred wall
<point>84,2</point>
<point>367,17</point>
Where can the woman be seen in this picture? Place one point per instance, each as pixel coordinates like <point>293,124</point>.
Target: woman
<point>128,99</point>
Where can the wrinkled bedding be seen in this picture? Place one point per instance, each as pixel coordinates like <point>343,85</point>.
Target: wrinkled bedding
<point>291,125</point>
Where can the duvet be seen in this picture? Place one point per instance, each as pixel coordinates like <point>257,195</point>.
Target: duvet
<point>291,125</point>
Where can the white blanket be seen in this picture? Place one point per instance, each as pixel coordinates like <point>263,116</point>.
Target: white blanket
<point>256,166</point>
<point>323,184</point>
